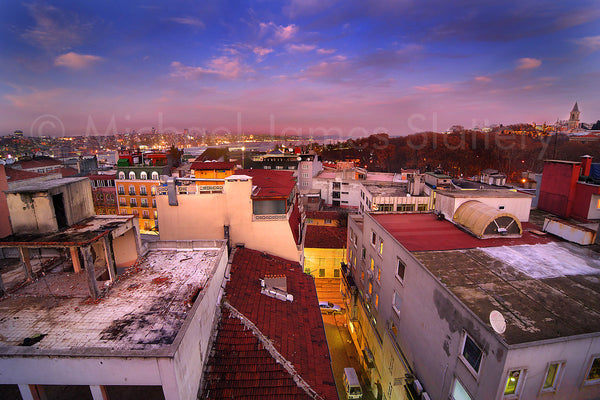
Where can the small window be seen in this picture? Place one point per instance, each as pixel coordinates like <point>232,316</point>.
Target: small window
<point>397,302</point>
<point>153,203</point>
<point>145,214</point>
<point>376,300</point>
<point>593,375</point>
<point>122,201</point>
<point>143,190</point>
<point>459,392</point>
<point>155,176</point>
<point>372,264</point>
<point>322,273</point>
<point>381,247</point>
<point>336,273</point>
<point>373,238</point>
<point>471,354</point>
<point>144,202</point>
<point>305,175</point>
<point>155,214</point>
<point>378,274</point>
<point>328,221</point>
<point>143,175</point>
<point>362,275</point>
<point>500,207</point>
<point>514,383</point>
<point>132,190</point>
<point>370,288</point>
<point>121,190</point>
<point>552,377</point>
<point>422,207</point>
<point>132,202</point>
<point>131,175</point>
<point>363,254</point>
<point>400,269</point>
<point>153,190</point>
<point>121,175</point>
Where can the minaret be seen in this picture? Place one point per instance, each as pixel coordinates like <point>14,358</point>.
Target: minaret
<point>574,118</point>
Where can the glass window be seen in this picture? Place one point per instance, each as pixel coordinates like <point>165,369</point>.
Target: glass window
<point>143,175</point>
<point>154,203</point>
<point>144,202</point>
<point>397,302</point>
<point>514,382</point>
<point>132,190</point>
<point>336,273</point>
<point>143,190</point>
<point>145,214</point>
<point>121,189</point>
<point>378,274</point>
<point>370,288</point>
<point>422,207</point>
<point>373,238</point>
<point>381,247</point>
<point>155,214</point>
<point>133,202</point>
<point>405,207</point>
<point>131,175</point>
<point>376,300</point>
<point>321,273</point>
<point>153,190</point>
<point>121,175</point>
<point>593,375</point>
<point>471,353</point>
<point>155,175</point>
<point>372,264</point>
<point>363,254</point>
<point>401,268</point>
<point>551,380</point>
<point>459,392</point>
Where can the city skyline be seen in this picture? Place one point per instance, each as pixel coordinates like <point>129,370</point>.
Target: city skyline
<point>402,67</point>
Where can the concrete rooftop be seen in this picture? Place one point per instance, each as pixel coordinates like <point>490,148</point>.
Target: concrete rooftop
<point>386,189</point>
<point>544,291</point>
<point>504,193</point>
<point>142,311</point>
<point>46,185</point>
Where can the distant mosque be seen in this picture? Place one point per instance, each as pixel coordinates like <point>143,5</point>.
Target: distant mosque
<point>574,118</point>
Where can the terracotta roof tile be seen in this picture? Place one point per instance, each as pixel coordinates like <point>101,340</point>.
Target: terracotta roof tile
<point>325,237</point>
<point>239,366</point>
<point>271,183</point>
<point>14,175</point>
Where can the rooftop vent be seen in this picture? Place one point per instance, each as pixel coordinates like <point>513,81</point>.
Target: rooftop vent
<point>275,286</point>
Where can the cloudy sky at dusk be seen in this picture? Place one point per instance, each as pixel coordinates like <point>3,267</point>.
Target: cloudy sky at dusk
<point>360,66</point>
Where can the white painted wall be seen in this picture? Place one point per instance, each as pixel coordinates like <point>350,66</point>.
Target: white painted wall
<point>517,206</point>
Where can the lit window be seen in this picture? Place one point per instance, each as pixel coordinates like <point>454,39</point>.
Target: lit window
<point>514,382</point>
<point>372,264</point>
<point>381,247</point>
<point>378,274</point>
<point>362,275</point>
<point>143,175</point>
<point>459,392</point>
<point>121,175</point>
<point>593,375</point>
<point>376,300</point>
<point>321,273</point>
<point>370,288</point>
<point>401,267</point>
<point>155,175</point>
<point>336,273</point>
<point>471,354</point>
<point>552,377</point>
<point>131,175</point>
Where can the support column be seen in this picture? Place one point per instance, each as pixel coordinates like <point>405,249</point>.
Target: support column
<point>99,392</point>
<point>24,251</point>
<point>32,392</point>
<point>75,259</point>
<point>136,235</point>
<point>88,262</point>
<point>109,256</point>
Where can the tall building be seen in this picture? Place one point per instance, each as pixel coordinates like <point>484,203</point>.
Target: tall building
<point>574,118</point>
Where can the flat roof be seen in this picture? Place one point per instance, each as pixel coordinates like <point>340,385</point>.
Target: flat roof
<point>85,232</point>
<point>507,193</point>
<point>544,291</point>
<point>425,232</point>
<point>46,185</point>
<point>386,189</point>
<point>142,311</point>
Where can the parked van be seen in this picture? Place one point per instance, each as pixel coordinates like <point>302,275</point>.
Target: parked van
<point>351,384</point>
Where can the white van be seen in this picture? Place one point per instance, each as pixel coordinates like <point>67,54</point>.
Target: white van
<point>351,384</point>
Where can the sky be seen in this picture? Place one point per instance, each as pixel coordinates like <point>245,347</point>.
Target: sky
<point>310,67</point>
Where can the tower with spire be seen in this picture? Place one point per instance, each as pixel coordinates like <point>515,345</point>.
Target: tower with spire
<point>574,118</point>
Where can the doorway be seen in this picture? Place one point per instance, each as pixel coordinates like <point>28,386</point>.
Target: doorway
<point>59,210</point>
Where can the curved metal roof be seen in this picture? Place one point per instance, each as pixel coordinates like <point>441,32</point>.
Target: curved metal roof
<point>484,221</point>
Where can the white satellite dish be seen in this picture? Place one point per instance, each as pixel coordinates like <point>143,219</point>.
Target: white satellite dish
<point>497,321</point>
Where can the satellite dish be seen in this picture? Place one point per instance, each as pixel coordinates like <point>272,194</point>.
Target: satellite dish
<point>497,321</point>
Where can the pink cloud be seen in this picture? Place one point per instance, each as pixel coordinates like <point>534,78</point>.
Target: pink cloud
<point>76,61</point>
<point>589,44</point>
<point>528,63</point>
<point>435,88</point>
<point>300,48</point>
<point>280,33</point>
<point>483,79</point>
<point>261,51</point>
<point>326,51</point>
<point>224,67</point>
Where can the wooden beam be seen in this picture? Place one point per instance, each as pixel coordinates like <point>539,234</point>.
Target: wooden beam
<point>88,262</point>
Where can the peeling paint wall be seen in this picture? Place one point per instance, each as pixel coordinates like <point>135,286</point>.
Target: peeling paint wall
<point>124,249</point>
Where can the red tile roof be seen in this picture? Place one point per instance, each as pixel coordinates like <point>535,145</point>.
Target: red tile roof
<point>67,171</point>
<point>101,177</point>
<point>37,163</point>
<point>239,367</point>
<point>13,175</point>
<point>211,165</point>
<point>425,232</point>
<point>270,183</point>
<point>323,214</point>
<point>325,237</point>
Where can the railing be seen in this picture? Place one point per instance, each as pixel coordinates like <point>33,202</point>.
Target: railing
<point>269,217</point>
<point>192,189</point>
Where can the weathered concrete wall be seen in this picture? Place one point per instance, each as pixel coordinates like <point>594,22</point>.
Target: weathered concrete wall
<point>78,201</point>
<point>124,248</point>
<point>576,354</point>
<point>204,217</point>
<point>192,352</point>
<point>31,213</point>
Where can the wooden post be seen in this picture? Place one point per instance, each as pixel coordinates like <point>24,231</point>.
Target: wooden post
<point>32,392</point>
<point>24,251</point>
<point>109,255</point>
<point>75,259</point>
<point>88,262</point>
<point>99,392</point>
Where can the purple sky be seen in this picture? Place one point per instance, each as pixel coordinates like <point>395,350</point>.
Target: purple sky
<point>350,68</point>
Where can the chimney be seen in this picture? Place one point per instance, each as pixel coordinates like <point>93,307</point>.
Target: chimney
<point>586,165</point>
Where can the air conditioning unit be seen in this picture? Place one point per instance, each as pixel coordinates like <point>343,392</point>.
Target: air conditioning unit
<point>425,396</point>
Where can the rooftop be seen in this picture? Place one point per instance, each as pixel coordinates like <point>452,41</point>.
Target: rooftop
<point>544,291</point>
<point>211,165</point>
<point>325,237</point>
<point>239,364</point>
<point>46,185</point>
<point>85,232</point>
<point>29,164</point>
<point>270,183</point>
<point>142,311</point>
<point>13,174</point>
<point>323,214</point>
<point>425,232</point>
<point>505,193</point>
<point>385,189</point>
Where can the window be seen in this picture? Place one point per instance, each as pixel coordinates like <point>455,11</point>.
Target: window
<point>145,214</point>
<point>132,202</point>
<point>336,185</point>
<point>147,225</point>
<point>552,377</point>
<point>152,190</point>
<point>131,175</point>
<point>143,190</point>
<point>305,183</point>
<point>363,254</point>
<point>322,273</point>
<point>121,190</point>
<point>500,207</point>
<point>122,201</point>
<point>471,354</point>
<point>370,288</point>
<point>155,214</point>
<point>459,392</point>
<point>381,247</point>
<point>422,207</point>
<point>385,207</point>
<point>376,300</point>
<point>378,274</point>
<point>135,212</point>
<point>304,166</point>
<point>372,264</point>
<point>335,195</point>
<point>514,383</point>
<point>121,175</point>
<point>132,190</point>
<point>401,267</point>
<point>144,202</point>
<point>153,203</point>
<point>362,275</point>
<point>405,207</point>
<point>305,174</point>
<point>396,304</point>
<point>328,221</point>
<point>373,238</point>
<point>143,175</point>
<point>593,375</point>
<point>155,175</point>
<point>336,273</point>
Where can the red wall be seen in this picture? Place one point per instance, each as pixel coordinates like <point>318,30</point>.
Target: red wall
<point>557,191</point>
<point>5,228</point>
<point>583,197</point>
